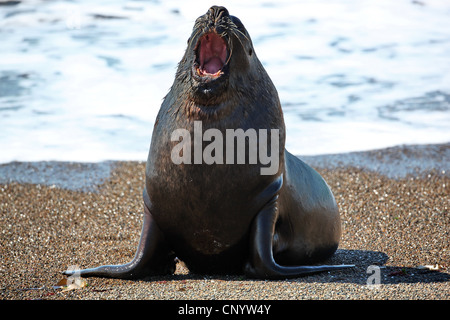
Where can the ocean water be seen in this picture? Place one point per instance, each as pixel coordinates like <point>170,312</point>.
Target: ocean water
<point>83,80</point>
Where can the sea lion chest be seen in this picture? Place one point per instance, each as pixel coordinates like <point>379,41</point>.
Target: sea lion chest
<point>202,208</point>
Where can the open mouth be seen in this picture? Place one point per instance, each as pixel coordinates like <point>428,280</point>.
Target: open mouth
<point>212,55</point>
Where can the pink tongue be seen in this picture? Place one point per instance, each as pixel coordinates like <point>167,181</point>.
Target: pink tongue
<point>213,65</point>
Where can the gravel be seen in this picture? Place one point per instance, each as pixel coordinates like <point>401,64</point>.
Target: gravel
<point>395,224</point>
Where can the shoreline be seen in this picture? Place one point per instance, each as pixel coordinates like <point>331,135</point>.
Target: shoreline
<point>393,162</point>
<point>54,215</point>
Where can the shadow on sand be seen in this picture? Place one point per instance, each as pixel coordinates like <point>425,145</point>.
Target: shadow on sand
<point>360,274</point>
<point>389,274</point>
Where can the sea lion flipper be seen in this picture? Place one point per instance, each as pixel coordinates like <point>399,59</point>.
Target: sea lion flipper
<point>261,262</point>
<point>152,257</point>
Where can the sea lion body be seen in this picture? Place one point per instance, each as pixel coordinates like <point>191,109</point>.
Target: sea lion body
<point>227,217</point>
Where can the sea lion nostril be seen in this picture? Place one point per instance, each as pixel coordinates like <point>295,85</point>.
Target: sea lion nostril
<point>218,12</point>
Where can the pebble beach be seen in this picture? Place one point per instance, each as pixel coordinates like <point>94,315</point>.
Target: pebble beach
<point>55,215</point>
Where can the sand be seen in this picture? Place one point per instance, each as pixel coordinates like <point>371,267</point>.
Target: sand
<point>53,215</point>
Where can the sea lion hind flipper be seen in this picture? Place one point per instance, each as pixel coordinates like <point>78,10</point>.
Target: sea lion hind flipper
<point>261,263</point>
<point>153,257</point>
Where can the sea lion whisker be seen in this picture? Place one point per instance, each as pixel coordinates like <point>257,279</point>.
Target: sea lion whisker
<point>234,27</point>
<point>230,51</point>
<point>243,34</point>
<point>195,35</point>
<point>218,15</point>
<point>240,40</point>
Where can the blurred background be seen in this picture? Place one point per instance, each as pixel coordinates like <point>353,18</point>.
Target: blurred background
<point>83,80</point>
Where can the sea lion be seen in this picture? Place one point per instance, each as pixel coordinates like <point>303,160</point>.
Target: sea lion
<point>228,216</point>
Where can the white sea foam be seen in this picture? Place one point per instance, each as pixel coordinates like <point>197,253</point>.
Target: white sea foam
<point>83,81</point>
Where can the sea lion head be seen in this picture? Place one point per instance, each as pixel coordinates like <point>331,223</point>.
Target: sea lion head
<point>219,54</point>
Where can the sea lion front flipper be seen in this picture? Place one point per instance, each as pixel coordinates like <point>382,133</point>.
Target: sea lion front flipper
<point>153,256</point>
<point>261,262</point>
